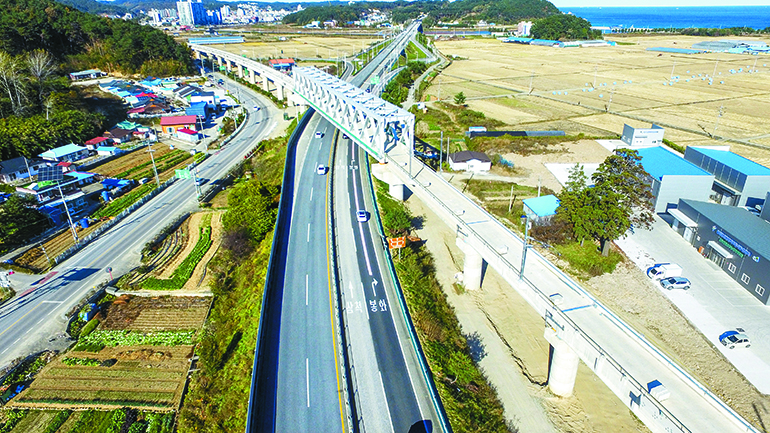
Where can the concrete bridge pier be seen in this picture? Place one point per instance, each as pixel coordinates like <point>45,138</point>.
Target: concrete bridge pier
<point>396,187</point>
<point>473,264</point>
<point>228,65</point>
<point>252,77</point>
<point>280,94</point>
<point>265,84</point>
<point>564,365</point>
<point>240,71</point>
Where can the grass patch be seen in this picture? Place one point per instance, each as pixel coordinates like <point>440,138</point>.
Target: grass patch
<point>187,267</point>
<point>116,398</point>
<point>129,338</point>
<point>125,201</point>
<point>112,373</point>
<point>9,419</point>
<point>470,402</point>
<point>57,421</point>
<point>587,260</point>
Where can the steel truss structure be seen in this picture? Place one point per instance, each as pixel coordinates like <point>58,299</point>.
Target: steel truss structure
<point>375,124</point>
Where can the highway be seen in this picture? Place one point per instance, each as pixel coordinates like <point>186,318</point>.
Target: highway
<point>28,321</point>
<point>300,373</point>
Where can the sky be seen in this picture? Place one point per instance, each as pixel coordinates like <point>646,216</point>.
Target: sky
<point>656,3</point>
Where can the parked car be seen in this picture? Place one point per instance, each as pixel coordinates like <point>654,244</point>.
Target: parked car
<point>735,338</point>
<point>319,134</point>
<point>345,136</point>
<point>675,283</point>
<point>256,108</point>
<point>664,270</point>
<point>321,169</point>
<point>362,216</point>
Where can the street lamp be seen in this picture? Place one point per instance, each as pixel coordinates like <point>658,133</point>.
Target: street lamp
<point>525,247</point>
<point>150,150</point>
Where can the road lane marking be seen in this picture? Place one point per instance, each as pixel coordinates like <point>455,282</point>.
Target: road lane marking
<point>361,229</point>
<point>311,194</point>
<point>17,340</point>
<point>308,232</point>
<point>331,310</point>
<point>19,319</point>
<point>52,302</point>
<point>307,380</point>
<point>385,399</point>
<point>306,289</point>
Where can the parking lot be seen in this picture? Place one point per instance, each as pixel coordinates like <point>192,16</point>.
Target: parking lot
<point>715,302</point>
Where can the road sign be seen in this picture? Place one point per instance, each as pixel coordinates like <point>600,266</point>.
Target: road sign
<point>375,80</point>
<point>183,173</point>
<point>397,242</point>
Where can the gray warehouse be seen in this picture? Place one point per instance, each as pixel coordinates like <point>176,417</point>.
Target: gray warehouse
<point>738,181</point>
<point>736,240</point>
<point>673,178</point>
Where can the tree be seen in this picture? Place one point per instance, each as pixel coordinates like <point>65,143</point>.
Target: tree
<point>619,198</point>
<point>564,27</point>
<point>19,220</point>
<point>460,99</point>
<point>12,82</point>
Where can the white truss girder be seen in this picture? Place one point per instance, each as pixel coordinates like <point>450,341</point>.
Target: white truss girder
<point>373,123</point>
<point>278,78</point>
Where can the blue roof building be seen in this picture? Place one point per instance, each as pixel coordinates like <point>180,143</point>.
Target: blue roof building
<point>199,109</point>
<point>70,152</point>
<point>673,178</point>
<point>738,181</point>
<point>539,208</point>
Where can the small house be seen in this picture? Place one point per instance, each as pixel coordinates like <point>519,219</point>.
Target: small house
<point>188,135</point>
<point>16,168</point>
<point>108,150</point>
<point>119,135</point>
<point>282,64</point>
<point>85,75</point>
<point>96,142</point>
<point>171,124</point>
<point>468,160</point>
<point>70,152</point>
<point>199,109</point>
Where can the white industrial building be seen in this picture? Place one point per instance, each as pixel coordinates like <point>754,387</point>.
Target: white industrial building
<point>673,178</point>
<point>642,137</point>
<point>738,181</point>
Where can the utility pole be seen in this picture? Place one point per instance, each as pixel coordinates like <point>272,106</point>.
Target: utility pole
<point>441,153</point>
<point>510,200</point>
<point>532,78</point>
<point>150,150</point>
<point>526,246</point>
<point>715,67</point>
<point>596,71</point>
<point>672,70</point>
<point>720,113</point>
<point>69,217</point>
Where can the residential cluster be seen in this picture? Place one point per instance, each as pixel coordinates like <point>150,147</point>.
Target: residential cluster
<point>184,108</point>
<point>192,13</point>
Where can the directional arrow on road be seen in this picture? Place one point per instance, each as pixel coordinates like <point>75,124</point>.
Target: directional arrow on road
<point>374,287</point>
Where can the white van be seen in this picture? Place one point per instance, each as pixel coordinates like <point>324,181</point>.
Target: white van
<point>664,270</point>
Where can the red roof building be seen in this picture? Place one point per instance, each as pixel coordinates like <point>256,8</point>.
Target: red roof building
<point>172,124</point>
<point>282,64</point>
<point>98,141</point>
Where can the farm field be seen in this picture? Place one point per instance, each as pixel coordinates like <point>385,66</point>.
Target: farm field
<point>530,87</point>
<point>115,369</point>
<point>303,47</point>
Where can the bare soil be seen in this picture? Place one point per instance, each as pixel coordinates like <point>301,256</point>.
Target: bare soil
<point>126,162</point>
<point>190,231</point>
<point>199,279</point>
<point>166,313</point>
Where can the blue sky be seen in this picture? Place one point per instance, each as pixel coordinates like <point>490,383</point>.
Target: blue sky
<point>656,3</point>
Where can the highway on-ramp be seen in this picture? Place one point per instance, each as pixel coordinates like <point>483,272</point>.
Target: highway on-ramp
<point>35,315</point>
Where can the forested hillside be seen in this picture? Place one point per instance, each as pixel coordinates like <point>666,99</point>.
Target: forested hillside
<point>468,11</point>
<point>40,41</point>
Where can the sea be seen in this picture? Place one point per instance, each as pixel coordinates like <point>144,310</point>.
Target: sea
<point>757,17</point>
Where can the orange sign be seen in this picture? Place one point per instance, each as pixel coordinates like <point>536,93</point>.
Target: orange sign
<point>397,242</point>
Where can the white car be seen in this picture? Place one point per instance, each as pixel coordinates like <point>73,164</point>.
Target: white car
<point>675,283</point>
<point>319,134</point>
<point>735,338</point>
<point>256,108</point>
<point>362,216</point>
<point>321,169</point>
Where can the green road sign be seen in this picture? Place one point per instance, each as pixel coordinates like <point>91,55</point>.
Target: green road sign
<point>183,174</point>
<point>375,80</point>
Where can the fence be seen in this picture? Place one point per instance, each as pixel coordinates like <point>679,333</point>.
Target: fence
<point>93,235</point>
<point>621,382</point>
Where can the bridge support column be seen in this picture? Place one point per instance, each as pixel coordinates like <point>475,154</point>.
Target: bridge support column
<point>473,265</point>
<point>396,188</point>
<point>252,77</point>
<point>240,70</point>
<point>228,65</point>
<point>197,55</point>
<point>564,365</point>
<point>279,92</point>
<point>265,84</point>
<point>220,61</point>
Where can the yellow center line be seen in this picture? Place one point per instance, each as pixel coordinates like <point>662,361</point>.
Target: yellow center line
<point>331,302</point>
<point>17,321</point>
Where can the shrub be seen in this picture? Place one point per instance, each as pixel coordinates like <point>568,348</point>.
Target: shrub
<point>89,328</point>
<point>86,346</point>
<point>587,258</point>
<point>57,421</point>
<point>88,362</point>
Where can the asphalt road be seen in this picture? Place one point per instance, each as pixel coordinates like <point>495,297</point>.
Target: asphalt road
<point>35,315</point>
